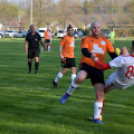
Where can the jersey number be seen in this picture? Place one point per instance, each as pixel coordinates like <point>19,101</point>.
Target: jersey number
<point>130,72</point>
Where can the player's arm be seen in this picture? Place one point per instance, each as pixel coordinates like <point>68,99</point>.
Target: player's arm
<point>117,62</point>
<point>110,49</point>
<point>26,44</point>
<point>102,65</point>
<point>60,51</point>
<point>42,43</point>
<point>85,52</point>
<point>62,43</point>
<point>113,55</point>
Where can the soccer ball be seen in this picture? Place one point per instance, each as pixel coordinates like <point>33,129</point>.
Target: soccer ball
<point>117,51</point>
<point>80,34</point>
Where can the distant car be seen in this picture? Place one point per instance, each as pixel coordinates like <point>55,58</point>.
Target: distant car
<point>42,31</point>
<point>78,34</point>
<point>61,33</point>
<point>11,33</point>
<point>107,34</point>
<point>20,34</point>
<point>2,34</point>
<point>75,34</point>
<point>24,34</point>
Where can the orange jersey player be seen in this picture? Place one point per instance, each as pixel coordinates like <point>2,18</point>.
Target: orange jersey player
<point>91,46</point>
<point>47,36</point>
<point>66,50</point>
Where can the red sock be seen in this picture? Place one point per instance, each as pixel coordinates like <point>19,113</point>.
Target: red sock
<point>102,107</point>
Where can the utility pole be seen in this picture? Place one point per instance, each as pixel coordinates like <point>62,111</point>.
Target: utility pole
<point>31,11</point>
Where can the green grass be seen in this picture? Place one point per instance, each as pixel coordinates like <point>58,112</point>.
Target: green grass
<point>30,105</point>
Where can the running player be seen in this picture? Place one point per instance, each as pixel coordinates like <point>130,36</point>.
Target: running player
<point>66,50</point>
<point>91,46</point>
<point>32,41</point>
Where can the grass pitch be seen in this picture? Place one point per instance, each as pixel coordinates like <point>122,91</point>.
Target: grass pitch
<point>30,105</point>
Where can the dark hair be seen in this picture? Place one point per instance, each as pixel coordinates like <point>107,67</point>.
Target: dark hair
<point>69,26</point>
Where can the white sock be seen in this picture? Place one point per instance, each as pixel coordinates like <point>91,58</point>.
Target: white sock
<point>72,88</point>
<point>72,77</point>
<point>97,109</point>
<point>58,77</point>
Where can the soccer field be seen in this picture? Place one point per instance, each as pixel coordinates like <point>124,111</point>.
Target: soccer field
<point>30,105</point>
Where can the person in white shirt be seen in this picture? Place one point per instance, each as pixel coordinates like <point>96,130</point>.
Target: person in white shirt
<point>123,77</point>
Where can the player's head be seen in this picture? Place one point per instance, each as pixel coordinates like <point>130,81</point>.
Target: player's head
<point>32,28</point>
<point>70,30</point>
<point>96,29</point>
<point>48,29</point>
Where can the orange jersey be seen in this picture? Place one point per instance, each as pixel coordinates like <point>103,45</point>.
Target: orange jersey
<point>47,35</point>
<point>96,46</point>
<point>68,44</point>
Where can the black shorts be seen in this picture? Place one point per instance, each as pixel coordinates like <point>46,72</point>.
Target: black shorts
<point>47,41</point>
<point>33,52</point>
<point>68,63</point>
<point>96,75</point>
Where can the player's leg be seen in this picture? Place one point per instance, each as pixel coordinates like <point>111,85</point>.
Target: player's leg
<point>36,64</point>
<point>30,64</point>
<point>124,51</point>
<point>49,47</point>
<point>98,105</point>
<point>36,57</point>
<point>81,76</point>
<point>59,76</point>
<point>30,56</point>
<point>97,78</point>
<point>72,65</point>
<point>73,75</point>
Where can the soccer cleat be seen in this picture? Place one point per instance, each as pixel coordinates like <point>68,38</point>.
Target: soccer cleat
<point>78,88</point>
<point>36,72</point>
<point>64,98</point>
<point>91,119</point>
<point>97,121</point>
<point>54,84</point>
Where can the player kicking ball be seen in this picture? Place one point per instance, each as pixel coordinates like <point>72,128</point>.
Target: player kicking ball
<point>123,77</point>
<point>66,50</point>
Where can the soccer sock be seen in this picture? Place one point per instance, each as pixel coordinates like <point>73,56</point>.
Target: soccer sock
<point>97,109</point>
<point>72,77</point>
<point>29,64</point>
<point>102,108</point>
<point>36,65</point>
<point>72,88</point>
<point>58,77</point>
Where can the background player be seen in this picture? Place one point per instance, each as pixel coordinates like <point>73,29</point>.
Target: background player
<point>32,41</point>
<point>90,46</point>
<point>112,34</point>
<point>66,50</point>
<point>47,35</point>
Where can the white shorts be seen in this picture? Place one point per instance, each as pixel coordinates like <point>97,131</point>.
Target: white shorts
<point>115,84</point>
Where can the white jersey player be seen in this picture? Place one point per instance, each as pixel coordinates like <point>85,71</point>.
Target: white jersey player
<point>123,77</point>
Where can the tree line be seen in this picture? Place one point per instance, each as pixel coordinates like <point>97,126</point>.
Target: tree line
<point>80,13</point>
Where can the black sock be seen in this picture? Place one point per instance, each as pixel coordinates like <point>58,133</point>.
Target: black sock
<point>29,64</point>
<point>36,65</point>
